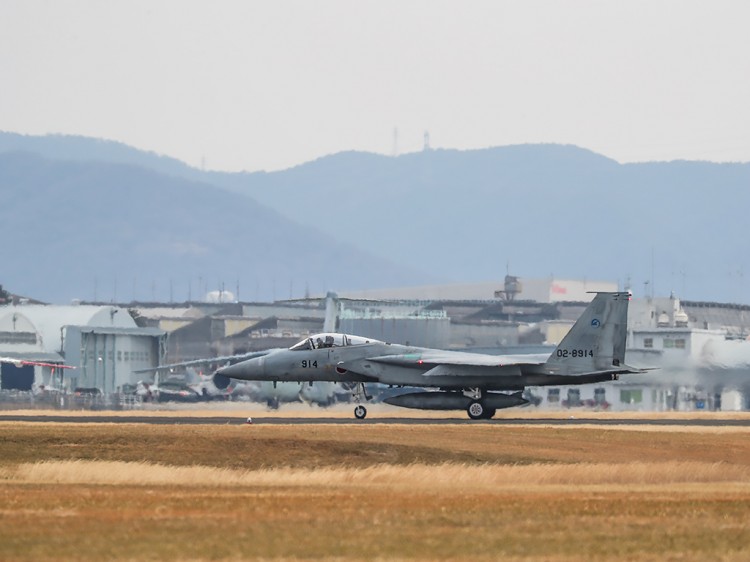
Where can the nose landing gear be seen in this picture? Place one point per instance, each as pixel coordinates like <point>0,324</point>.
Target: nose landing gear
<point>359,393</point>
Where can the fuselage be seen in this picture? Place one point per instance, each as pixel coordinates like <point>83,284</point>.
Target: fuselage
<point>309,365</point>
<point>369,361</point>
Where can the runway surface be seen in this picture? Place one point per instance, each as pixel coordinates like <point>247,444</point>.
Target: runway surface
<point>270,420</point>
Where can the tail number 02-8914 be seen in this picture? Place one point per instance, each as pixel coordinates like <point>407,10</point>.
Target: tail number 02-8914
<point>575,353</point>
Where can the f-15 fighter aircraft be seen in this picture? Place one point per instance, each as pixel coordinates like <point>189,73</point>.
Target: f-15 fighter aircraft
<point>592,351</point>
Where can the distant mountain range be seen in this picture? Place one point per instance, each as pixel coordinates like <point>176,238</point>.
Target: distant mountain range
<point>104,231</point>
<point>358,220</point>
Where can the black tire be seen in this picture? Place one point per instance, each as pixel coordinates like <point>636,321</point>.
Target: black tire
<point>489,413</point>
<point>360,412</point>
<point>476,410</point>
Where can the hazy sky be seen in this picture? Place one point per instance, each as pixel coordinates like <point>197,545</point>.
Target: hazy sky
<point>267,85</point>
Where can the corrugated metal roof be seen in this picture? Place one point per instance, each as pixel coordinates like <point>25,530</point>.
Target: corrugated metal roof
<point>121,331</point>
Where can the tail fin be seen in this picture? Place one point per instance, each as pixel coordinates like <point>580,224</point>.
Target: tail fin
<point>596,342</point>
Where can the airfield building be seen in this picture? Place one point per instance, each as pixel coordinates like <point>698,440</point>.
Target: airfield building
<point>701,349</point>
<point>102,342</point>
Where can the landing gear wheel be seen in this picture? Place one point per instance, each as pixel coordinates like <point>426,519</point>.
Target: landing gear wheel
<point>360,412</point>
<point>476,410</point>
<point>489,413</point>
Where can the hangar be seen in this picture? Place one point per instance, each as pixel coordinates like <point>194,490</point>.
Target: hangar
<point>102,342</point>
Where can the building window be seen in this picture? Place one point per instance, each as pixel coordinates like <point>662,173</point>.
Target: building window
<point>668,344</point>
<point>574,397</point>
<point>631,396</point>
<point>18,337</point>
<point>600,396</point>
<point>553,395</point>
<point>648,343</point>
<point>680,343</point>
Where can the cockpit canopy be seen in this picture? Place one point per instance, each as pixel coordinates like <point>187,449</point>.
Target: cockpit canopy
<point>320,341</point>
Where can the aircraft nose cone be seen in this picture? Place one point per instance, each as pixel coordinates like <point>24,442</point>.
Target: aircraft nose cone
<point>250,369</point>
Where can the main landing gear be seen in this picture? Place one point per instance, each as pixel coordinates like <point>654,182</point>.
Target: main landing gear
<point>476,409</point>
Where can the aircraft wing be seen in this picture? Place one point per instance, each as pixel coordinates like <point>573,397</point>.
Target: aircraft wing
<point>436,358</point>
<point>208,361</point>
<point>437,363</point>
<point>22,362</point>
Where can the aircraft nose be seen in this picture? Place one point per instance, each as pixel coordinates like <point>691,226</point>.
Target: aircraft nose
<point>250,369</point>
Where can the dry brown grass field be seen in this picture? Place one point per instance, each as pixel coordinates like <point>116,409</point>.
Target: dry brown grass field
<point>372,492</point>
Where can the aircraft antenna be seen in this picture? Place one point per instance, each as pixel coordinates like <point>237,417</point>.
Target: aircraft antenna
<point>652,272</point>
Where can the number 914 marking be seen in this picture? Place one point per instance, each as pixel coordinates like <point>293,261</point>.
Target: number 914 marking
<point>575,353</point>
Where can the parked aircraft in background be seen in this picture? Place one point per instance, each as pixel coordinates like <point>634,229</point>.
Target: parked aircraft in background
<point>273,395</point>
<point>593,351</point>
<point>203,387</point>
<point>168,390</point>
<point>165,387</point>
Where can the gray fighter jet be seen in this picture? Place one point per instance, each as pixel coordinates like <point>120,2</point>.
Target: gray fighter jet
<point>593,351</point>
